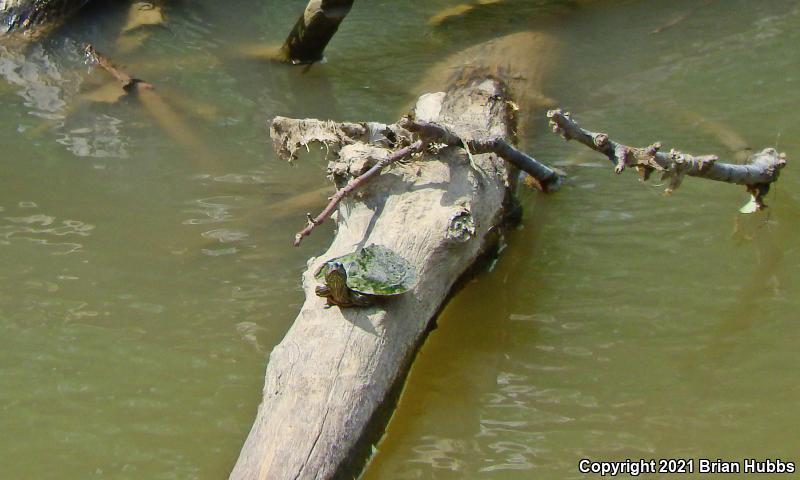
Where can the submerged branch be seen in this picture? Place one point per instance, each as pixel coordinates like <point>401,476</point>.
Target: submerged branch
<point>156,106</point>
<point>761,170</point>
<point>128,82</point>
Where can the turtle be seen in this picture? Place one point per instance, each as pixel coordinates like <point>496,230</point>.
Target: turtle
<point>358,278</point>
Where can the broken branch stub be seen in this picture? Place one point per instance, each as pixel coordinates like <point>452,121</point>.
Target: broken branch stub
<point>761,170</point>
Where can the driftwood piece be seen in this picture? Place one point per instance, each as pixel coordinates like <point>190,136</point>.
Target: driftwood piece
<point>331,377</point>
<point>760,171</point>
<point>314,30</point>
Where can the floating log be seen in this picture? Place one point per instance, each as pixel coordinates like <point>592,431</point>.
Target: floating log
<point>330,381</point>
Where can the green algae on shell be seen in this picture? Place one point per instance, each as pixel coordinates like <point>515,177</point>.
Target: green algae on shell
<point>374,270</point>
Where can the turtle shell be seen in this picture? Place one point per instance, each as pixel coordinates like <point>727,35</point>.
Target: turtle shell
<point>374,270</point>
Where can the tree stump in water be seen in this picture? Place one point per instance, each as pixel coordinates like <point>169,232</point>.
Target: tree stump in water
<point>330,380</point>
<point>313,30</point>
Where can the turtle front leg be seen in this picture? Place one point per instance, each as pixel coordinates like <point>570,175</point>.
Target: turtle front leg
<point>327,293</point>
<point>323,291</point>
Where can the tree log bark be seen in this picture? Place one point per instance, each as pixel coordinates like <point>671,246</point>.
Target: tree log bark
<point>313,30</point>
<point>331,377</point>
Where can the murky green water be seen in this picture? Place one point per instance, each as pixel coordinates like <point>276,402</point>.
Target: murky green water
<point>144,281</point>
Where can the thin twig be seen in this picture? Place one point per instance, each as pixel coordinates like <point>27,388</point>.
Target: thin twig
<point>404,152</point>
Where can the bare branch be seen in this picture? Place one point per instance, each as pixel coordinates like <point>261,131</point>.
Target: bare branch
<point>431,132</point>
<point>761,170</point>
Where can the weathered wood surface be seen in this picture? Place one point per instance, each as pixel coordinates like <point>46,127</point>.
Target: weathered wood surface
<point>328,378</point>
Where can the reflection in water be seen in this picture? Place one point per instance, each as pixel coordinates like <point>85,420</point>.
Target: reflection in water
<point>50,85</point>
<point>39,80</point>
<point>58,237</point>
<point>761,239</point>
<point>103,139</point>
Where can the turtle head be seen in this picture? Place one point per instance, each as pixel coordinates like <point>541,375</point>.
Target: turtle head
<point>336,276</point>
